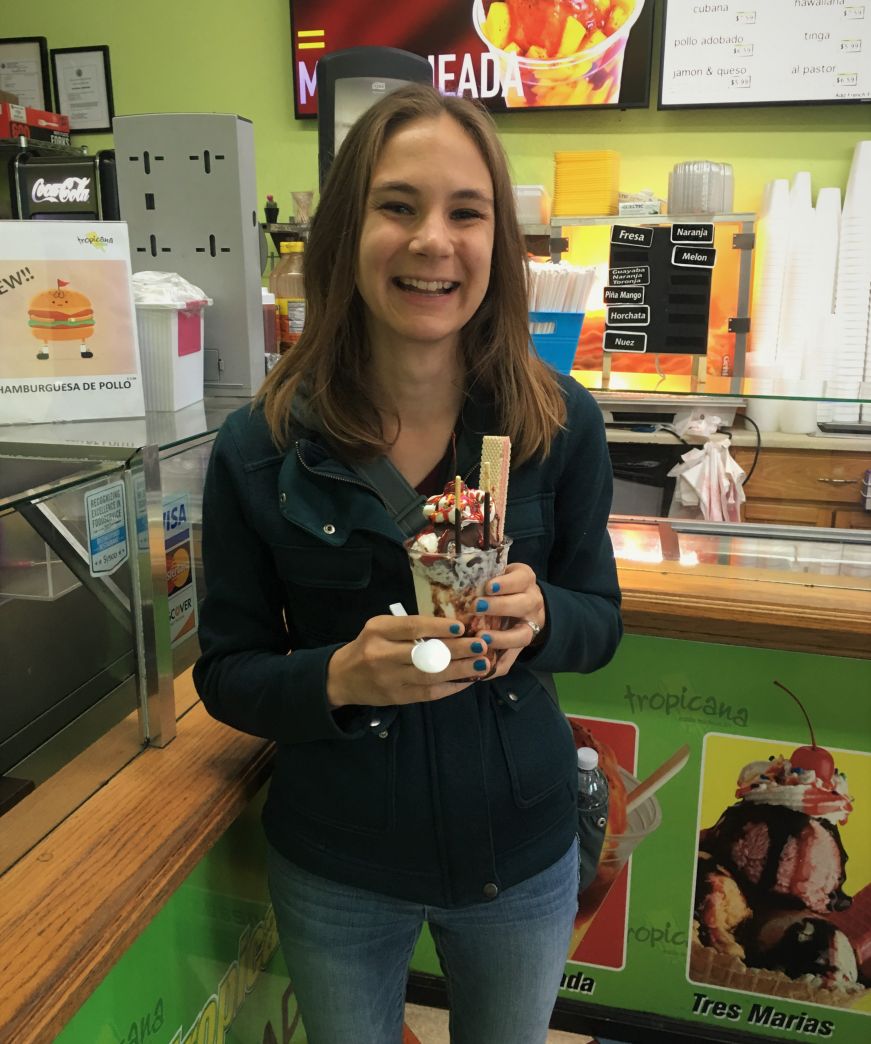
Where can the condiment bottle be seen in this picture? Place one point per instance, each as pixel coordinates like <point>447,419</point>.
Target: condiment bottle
<point>286,282</point>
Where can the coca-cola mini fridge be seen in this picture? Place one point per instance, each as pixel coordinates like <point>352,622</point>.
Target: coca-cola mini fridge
<point>65,187</point>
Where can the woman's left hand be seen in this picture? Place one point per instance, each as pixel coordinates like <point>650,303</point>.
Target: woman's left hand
<point>516,597</point>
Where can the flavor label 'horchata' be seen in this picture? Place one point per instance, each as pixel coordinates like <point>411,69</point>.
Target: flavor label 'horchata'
<point>628,315</point>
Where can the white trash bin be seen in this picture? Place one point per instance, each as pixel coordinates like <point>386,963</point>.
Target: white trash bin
<point>169,319</point>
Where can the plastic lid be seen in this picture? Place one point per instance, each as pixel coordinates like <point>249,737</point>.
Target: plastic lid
<point>268,298</point>
<point>291,246</point>
<point>588,758</point>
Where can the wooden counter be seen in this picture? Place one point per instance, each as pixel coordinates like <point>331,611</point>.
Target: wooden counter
<point>743,606</point>
<point>72,906</point>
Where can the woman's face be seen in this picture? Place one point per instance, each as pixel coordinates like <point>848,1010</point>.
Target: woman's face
<point>427,238</point>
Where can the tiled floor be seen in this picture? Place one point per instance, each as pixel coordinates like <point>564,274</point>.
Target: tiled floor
<point>430,1026</point>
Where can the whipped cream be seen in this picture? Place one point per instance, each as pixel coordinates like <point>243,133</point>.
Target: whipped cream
<point>777,782</point>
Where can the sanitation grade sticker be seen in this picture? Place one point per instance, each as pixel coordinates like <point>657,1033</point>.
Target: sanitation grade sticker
<point>106,519</point>
<point>180,584</point>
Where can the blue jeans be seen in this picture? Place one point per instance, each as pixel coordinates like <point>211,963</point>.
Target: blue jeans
<point>348,951</point>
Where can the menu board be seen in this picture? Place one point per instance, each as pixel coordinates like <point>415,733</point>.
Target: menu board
<point>658,296</point>
<point>509,54</point>
<point>765,52</point>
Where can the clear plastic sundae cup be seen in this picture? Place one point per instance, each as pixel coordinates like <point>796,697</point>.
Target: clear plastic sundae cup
<point>588,76</point>
<point>450,585</point>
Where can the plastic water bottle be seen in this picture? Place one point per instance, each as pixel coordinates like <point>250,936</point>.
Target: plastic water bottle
<point>592,813</point>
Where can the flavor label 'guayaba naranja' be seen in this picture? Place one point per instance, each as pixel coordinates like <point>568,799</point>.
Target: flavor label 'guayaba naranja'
<point>632,275</point>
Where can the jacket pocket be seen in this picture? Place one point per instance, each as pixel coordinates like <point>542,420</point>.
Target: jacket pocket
<point>536,739</point>
<point>335,568</point>
<point>327,591</point>
<point>345,784</point>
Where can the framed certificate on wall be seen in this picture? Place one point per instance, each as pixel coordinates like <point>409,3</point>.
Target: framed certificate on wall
<point>83,87</point>
<point>24,70</point>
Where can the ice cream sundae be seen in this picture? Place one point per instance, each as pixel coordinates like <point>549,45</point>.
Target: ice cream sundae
<point>769,888</point>
<point>463,544</point>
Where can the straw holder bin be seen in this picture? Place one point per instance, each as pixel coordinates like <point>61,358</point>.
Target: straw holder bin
<point>555,336</point>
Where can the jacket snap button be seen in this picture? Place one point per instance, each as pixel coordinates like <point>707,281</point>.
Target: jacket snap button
<point>329,529</point>
<point>282,497</point>
<point>383,734</point>
<point>513,697</point>
<point>374,723</point>
<point>491,890</point>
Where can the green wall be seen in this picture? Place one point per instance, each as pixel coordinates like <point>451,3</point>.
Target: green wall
<point>234,56</point>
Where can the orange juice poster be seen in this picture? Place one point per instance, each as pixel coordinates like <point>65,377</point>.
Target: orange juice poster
<point>68,345</point>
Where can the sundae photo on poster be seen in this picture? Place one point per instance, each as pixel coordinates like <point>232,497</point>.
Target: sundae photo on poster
<point>634,813</point>
<point>782,902</point>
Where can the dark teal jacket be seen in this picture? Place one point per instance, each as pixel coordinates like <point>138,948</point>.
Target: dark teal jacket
<point>428,802</point>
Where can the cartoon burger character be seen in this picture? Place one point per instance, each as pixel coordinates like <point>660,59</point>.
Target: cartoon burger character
<point>61,315</point>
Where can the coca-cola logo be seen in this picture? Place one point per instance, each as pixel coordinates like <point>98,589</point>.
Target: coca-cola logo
<point>70,190</point>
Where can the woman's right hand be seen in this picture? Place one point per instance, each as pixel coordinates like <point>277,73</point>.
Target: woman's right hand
<point>376,669</point>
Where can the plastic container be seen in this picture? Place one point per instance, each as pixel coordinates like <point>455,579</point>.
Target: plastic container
<point>169,321</point>
<point>555,336</point>
<point>286,282</point>
<point>592,813</point>
<point>533,204</point>
<point>701,187</point>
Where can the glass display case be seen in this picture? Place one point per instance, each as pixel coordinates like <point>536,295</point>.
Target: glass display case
<point>100,576</point>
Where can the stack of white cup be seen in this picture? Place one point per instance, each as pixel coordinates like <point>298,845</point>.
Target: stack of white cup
<point>853,291</point>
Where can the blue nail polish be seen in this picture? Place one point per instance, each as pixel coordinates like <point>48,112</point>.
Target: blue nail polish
<point>487,638</point>
<point>482,605</point>
<point>477,647</point>
<point>480,665</point>
<point>455,628</point>
<point>495,588</point>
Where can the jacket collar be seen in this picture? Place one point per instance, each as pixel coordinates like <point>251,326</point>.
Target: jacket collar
<point>322,495</point>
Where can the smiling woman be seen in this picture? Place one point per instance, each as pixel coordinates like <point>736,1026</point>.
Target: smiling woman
<point>423,265</point>
<point>402,794</point>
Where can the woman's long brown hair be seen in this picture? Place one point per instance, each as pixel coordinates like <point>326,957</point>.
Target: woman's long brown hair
<point>328,368</point>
